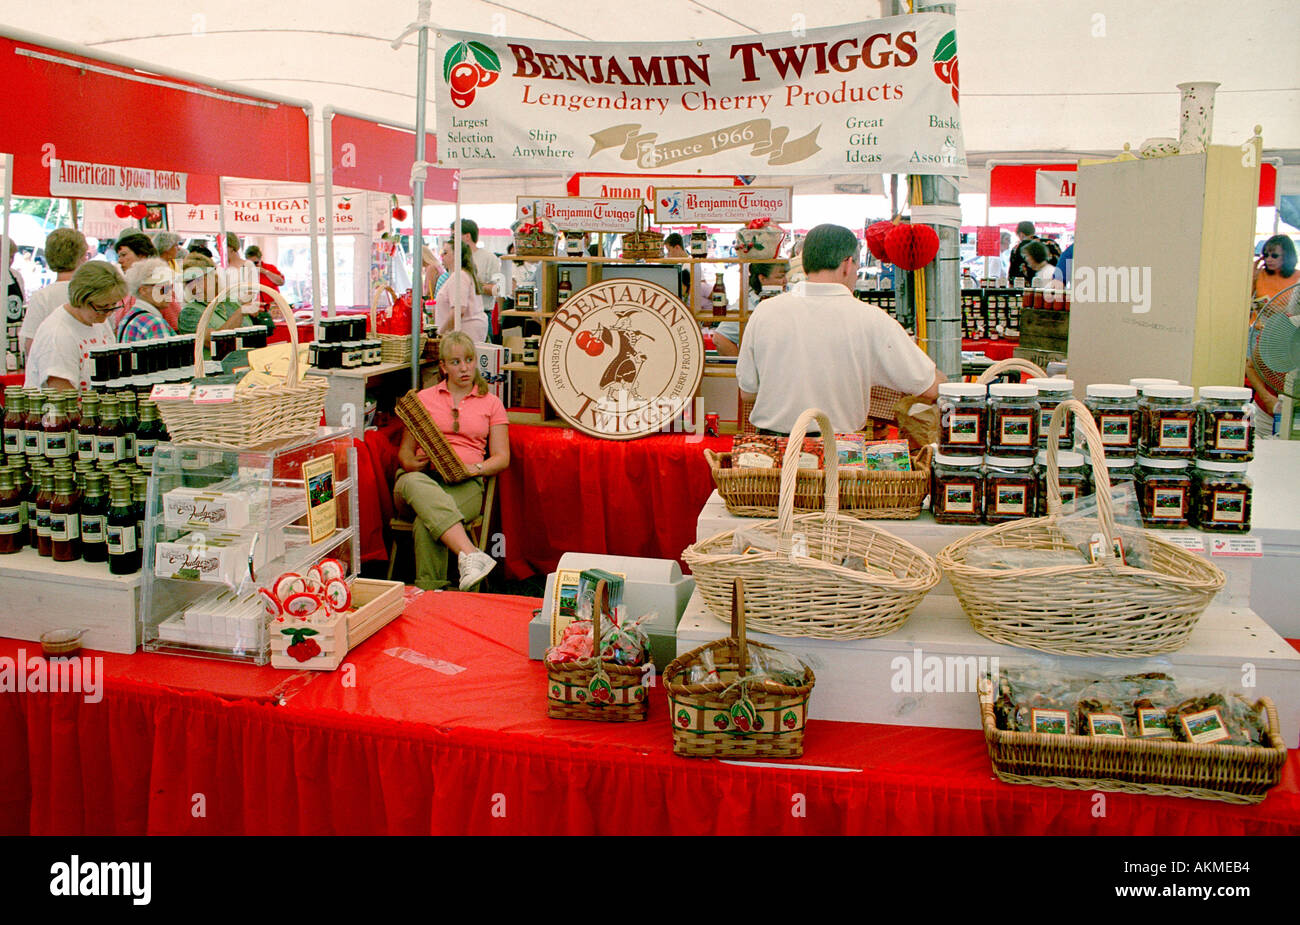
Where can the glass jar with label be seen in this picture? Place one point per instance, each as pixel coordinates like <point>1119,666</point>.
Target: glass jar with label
<point>33,429</point>
<point>15,420</point>
<point>1168,422</point>
<point>1010,488</point>
<point>94,511</point>
<point>1073,479</point>
<point>1051,392</point>
<point>1013,420</point>
<point>1164,491</point>
<point>963,418</point>
<point>1141,385</point>
<point>11,500</point>
<point>1225,424</point>
<point>1223,495</point>
<point>957,489</point>
<point>1116,412</point>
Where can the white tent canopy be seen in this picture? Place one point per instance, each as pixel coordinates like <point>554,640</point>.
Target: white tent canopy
<point>1073,78</point>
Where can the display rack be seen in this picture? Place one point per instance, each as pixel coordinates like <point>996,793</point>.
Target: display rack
<point>274,538</point>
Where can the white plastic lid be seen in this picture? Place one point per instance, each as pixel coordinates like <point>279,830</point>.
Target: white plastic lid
<point>944,459</point>
<point>1116,462</point>
<point>1066,459</point>
<point>1012,390</point>
<point>1009,462</point>
<point>1150,463</point>
<point>962,389</point>
<point>1052,385</point>
<point>1143,383</point>
<point>1220,466</point>
<point>1109,390</point>
<point>1169,391</point>
<point>1229,392</point>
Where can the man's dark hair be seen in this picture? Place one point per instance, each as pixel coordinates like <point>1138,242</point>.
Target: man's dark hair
<point>136,242</point>
<point>827,246</point>
<point>1025,228</point>
<point>468,226</point>
<point>1034,250</point>
<point>674,240</point>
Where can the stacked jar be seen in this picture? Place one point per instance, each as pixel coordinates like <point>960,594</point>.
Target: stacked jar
<point>1051,392</point>
<point>957,476</point>
<point>1221,490</point>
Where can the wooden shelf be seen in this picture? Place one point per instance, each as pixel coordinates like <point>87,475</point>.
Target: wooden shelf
<point>520,367</point>
<point>714,319</point>
<point>651,260</point>
<point>516,313</point>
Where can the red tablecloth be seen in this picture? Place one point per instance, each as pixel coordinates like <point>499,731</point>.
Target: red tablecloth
<point>401,747</point>
<point>993,349</point>
<point>567,492</point>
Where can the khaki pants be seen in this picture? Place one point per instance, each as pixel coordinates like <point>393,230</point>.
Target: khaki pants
<point>436,508</point>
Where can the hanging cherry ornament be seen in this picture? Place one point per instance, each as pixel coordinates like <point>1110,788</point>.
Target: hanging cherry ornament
<point>875,235</point>
<point>911,247</point>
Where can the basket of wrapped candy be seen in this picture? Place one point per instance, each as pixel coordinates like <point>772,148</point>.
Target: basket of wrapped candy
<point>534,237</point>
<point>610,687</point>
<point>760,239</point>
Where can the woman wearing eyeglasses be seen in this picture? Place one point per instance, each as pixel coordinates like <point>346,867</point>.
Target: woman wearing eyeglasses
<point>1277,267</point>
<point>474,422</point>
<point>60,355</point>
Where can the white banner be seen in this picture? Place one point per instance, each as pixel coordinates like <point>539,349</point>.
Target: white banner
<point>572,213</point>
<point>272,216</point>
<point>869,97</point>
<point>1054,187</point>
<point>731,204</point>
<point>83,180</point>
<point>630,186</point>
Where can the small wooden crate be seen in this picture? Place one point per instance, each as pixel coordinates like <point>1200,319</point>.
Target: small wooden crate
<point>377,604</point>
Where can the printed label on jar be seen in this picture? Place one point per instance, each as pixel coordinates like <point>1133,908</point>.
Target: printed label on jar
<point>64,526</point>
<point>1168,503</point>
<point>1009,500</point>
<point>42,522</point>
<point>13,443</point>
<point>34,442</point>
<point>110,449</point>
<point>56,445</point>
<point>92,528</point>
<point>1229,507</point>
<point>964,428</point>
<point>144,450</point>
<point>959,498</point>
<point>121,540</point>
<point>1068,495</point>
<point>1176,434</point>
<point>11,519</point>
<point>1115,429</point>
<point>1017,429</point>
<point>1232,435</point>
<point>86,446</point>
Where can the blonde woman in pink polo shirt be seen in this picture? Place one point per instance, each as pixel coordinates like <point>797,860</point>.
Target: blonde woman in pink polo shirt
<point>474,422</point>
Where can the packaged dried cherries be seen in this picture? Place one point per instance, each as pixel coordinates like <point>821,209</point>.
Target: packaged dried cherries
<point>1073,480</point>
<point>957,489</point>
<point>1168,422</point>
<point>1013,420</point>
<point>1010,488</point>
<point>1226,427</point>
<point>963,418</point>
<point>1116,411</point>
<point>1164,492</point>
<point>1051,392</point>
<point>1223,496</point>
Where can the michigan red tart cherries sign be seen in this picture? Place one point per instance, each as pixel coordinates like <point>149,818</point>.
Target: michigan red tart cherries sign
<point>874,97</point>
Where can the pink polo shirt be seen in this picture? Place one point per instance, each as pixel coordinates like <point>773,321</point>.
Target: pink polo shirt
<point>478,414</point>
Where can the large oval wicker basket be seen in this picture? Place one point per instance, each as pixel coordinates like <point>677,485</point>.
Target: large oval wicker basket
<point>814,594</point>
<point>1097,608</point>
<point>256,417</point>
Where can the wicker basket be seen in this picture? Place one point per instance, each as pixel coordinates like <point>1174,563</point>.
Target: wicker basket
<point>393,348</point>
<point>1011,364</point>
<point>1101,608</point>
<point>591,688</point>
<point>867,495</point>
<point>1156,767</point>
<point>735,717</point>
<point>643,244</point>
<point>256,417</point>
<point>535,243</point>
<point>815,595</point>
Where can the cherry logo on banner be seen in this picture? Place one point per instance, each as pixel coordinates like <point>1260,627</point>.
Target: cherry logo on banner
<point>466,67</point>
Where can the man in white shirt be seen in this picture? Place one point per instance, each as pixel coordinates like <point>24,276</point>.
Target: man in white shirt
<point>60,356</point>
<point>487,265</point>
<point>817,346</point>
<point>65,250</point>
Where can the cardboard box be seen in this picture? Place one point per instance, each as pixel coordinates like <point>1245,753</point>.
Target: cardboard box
<point>491,359</point>
<point>525,390</point>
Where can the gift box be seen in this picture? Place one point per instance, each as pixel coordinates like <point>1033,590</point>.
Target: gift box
<point>491,360</point>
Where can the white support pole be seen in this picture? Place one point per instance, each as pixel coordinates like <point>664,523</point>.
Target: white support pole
<point>417,199</point>
<point>221,229</point>
<point>315,231</point>
<point>4,248</point>
<point>327,119</point>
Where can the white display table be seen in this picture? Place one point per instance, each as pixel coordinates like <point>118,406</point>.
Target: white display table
<point>41,595</point>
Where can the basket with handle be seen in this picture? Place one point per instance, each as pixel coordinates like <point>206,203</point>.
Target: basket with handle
<point>593,688</point>
<point>798,591</point>
<point>1096,608</point>
<point>256,417</point>
<point>393,348</point>
<point>536,241</point>
<point>643,244</point>
<point>735,714</point>
<point>1011,364</point>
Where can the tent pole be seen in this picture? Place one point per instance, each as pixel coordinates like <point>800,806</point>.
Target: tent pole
<point>221,230</point>
<point>314,231</point>
<point>327,117</point>
<point>4,248</point>
<point>417,197</point>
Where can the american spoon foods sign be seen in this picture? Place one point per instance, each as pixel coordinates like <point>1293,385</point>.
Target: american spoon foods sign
<point>879,96</point>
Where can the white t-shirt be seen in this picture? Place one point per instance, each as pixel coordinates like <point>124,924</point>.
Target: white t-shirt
<point>62,349</point>
<point>1047,274</point>
<point>487,266</point>
<point>817,346</point>
<point>458,290</point>
<point>40,306</point>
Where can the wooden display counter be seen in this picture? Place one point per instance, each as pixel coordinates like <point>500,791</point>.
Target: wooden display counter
<point>41,595</point>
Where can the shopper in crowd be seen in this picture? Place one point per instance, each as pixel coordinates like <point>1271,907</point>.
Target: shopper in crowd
<point>60,354</point>
<point>1043,272</point>
<point>15,297</point>
<point>150,281</point>
<point>241,276</point>
<point>462,293</point>
<point>65,250</point>
<point>199,246</point>
<point>168,246</point>
<point>268,275</point>
<point>816,347</point>
<point>676,247</point>
<point>202,283</point>
<point>133,246</point>
<point>1066,263</point>
<point>487,265</point>
<point>726,336</point>
<point>1017,268</point>
<point>795,273</point>
<point>446,263</point>
<point>1276,267</point>
<point>474,422</point>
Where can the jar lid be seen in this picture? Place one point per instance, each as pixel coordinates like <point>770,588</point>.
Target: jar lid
<point>1012,390</point>
<point>962,389</point>
<point>1214,466</point>
<point>1143,383</point>
<point>1169,391</point>
<point>944,459</point>
<point>1110,390</point>
<point>1150,463</point>
<point>1230,392</point>
<point>1009,462</point>
<point>1053,384</point>
<point>1065,459</point>
<point>1116,462</point>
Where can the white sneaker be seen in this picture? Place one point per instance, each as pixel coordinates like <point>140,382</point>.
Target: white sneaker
<point>474,567</point>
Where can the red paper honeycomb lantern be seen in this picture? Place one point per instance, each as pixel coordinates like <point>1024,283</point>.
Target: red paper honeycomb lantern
<point>911,247</point>
<point>138,210</point>
<point>122,210</point>
<point>876,234</point>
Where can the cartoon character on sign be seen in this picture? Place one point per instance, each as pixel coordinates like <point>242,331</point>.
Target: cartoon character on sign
<point>672,203</point>
<point>625,368</point>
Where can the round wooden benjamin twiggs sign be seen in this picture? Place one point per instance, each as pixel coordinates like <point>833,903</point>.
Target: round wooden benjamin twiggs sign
<point>621,359</point>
